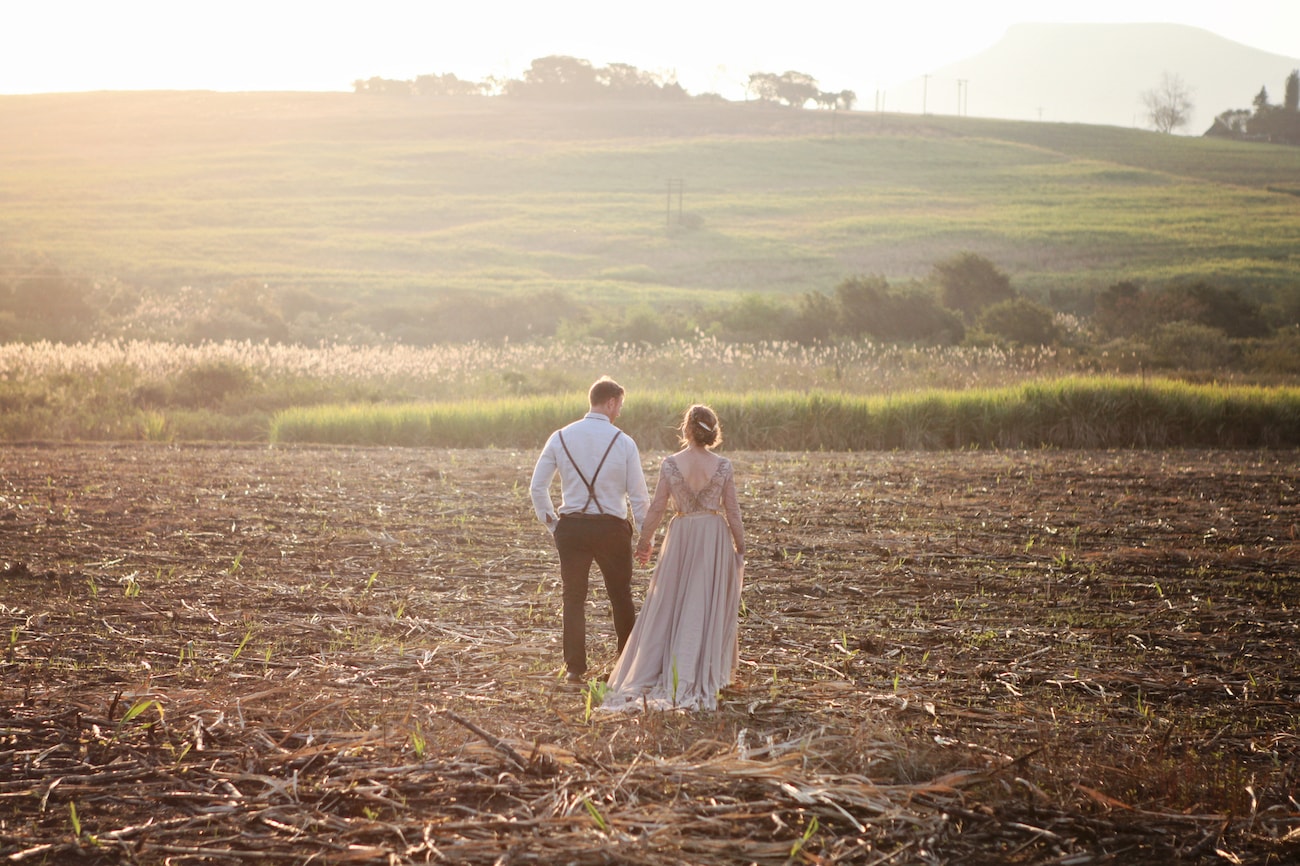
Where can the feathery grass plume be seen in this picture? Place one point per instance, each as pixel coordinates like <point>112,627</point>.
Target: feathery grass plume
<point>777,395</point>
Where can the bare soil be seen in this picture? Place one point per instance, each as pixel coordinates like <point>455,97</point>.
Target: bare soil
<point>224,654</point>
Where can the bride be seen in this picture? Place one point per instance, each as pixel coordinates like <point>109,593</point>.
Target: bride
<point>684,647</point>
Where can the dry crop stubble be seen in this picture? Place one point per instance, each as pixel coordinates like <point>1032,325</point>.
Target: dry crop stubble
<point>236,652</point>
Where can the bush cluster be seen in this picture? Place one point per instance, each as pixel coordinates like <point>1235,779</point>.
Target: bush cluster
<point>1181,325</point>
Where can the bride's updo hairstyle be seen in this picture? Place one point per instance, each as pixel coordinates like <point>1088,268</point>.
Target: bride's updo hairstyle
<point>700,425</point>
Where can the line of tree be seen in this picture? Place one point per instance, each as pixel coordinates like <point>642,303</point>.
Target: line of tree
<point>559,77</point>
<point>797,89</point>
<point>1265,121</point>
<point>556,77</point>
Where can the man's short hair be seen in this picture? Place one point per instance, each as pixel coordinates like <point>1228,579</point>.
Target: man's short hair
<point>604,390</point>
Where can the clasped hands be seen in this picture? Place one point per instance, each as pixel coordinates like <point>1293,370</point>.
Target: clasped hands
<point>646,547</point>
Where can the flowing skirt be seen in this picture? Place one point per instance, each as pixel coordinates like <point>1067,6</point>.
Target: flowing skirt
<point>683,648</point>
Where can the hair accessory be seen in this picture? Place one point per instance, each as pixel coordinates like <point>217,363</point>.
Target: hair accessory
<point>702,424</point>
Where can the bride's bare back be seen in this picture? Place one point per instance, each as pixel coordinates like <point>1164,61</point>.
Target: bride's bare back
<point>697,466</point>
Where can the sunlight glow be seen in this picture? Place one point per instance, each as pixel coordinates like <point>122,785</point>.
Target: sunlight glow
<point>78,45</point>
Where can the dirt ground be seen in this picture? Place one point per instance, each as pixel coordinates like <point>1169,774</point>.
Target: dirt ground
<point>223,654</point>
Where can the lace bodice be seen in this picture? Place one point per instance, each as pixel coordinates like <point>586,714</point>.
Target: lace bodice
<point>716,497</point>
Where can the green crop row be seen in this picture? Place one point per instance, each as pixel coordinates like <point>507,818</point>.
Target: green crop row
<point>1092,412</point>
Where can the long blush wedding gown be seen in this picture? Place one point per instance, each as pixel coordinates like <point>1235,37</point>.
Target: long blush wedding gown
<point>683,648</point>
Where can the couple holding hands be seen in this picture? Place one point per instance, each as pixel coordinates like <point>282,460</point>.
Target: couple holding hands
<point>682,648</point>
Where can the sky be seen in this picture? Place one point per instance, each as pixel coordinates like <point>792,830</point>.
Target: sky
<point>706,45</point>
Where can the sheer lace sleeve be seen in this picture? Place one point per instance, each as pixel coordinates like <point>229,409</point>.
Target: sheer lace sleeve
<point>658,505</point>
<point>731,506</point>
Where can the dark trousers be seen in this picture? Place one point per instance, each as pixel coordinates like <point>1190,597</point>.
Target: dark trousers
<point>607,541</point>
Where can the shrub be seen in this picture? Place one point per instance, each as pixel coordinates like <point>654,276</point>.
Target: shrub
<point>1213,307</point>
<point>241,311</point>
<point>861,301</point>
<point>45,304</point>
<point>751,319</point>
<point>1191,346</point>
<point>1278,355</point>
<point>209,385</point>
<point>1126,309</point>
<point>869,307</point>
<point>968,283</point>
<point>1020,322</point>
<point>814,320</point>
<point>1121,311</point>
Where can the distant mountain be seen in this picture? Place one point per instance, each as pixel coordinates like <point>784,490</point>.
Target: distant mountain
<point>1096,73</point>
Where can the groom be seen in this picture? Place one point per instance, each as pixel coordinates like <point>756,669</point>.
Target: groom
<point>600,474</point>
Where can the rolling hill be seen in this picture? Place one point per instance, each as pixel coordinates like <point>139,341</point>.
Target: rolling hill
<point>381,197</point>
<point>1096,73</point>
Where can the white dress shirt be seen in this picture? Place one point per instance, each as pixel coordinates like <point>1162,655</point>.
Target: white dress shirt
<point>621,480</point>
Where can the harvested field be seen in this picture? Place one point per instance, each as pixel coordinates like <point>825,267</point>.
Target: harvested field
<point>290,655</point>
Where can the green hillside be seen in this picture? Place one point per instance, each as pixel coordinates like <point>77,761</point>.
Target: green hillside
<point>363,195</point>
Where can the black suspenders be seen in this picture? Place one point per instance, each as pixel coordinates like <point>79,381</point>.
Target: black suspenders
<point>591,485</point>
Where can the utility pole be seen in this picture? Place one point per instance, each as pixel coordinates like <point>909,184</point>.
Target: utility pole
<point>925,93</point>
<point>677,185</point>
<point>961,97</point>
